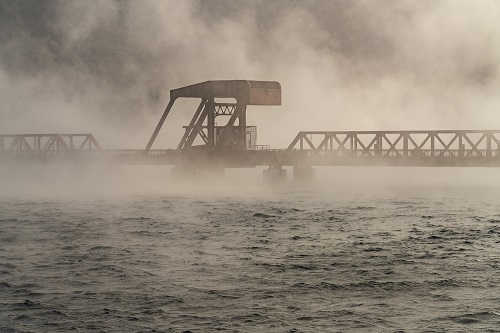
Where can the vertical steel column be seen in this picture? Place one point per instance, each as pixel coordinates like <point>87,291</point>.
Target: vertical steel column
<point>39,143</point>
<point>380,137</point>
<point>433,137</point>
<point>378,145</point>
<point>497,153</point>
<point>405,145</point>
<point>460,145</point>
<point>2,142</point>
<point>211,123</point>
<point>488,144</point>
<point>355,138</point>
<point>242,111</point>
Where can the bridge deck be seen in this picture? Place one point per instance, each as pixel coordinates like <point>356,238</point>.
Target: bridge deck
<point>253,158</point>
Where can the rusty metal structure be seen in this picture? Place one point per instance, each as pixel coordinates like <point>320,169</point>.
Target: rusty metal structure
<point>233,135</point>
<point>411,148</point>
<point>233,144</point>
<point>46,145</point>
<point>47,148</point>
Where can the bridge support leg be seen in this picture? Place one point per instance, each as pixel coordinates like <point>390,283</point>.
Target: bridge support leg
<point>274,174</point>
<point>303,173</point>
<point>160,124</point>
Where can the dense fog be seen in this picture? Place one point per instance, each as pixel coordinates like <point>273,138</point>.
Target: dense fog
<point>106,67</point>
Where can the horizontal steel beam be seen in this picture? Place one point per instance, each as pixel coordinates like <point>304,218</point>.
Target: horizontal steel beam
<point>402,132</point>
<point>252,158</point>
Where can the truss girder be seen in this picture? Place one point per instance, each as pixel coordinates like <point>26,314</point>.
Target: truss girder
<point>460,144</point>
<point>43,143</point>
<point>224,109</point>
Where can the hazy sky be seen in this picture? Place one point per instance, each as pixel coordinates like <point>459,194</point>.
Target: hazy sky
<point>107,66</point>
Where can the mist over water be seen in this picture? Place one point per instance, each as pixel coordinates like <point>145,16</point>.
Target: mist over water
<point>106,66</point>
<point>359,249</point>
<point>112,181</point>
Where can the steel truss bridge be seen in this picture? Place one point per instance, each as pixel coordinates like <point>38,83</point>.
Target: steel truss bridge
<point>207,145</point>
<point>388,148</point>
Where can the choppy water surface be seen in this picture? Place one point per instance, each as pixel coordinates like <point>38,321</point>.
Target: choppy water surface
<point>290,261</point>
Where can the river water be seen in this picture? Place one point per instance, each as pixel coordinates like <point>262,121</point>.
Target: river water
<point>351,253</point>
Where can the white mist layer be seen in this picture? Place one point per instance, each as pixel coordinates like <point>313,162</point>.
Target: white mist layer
<point>55,181</point>
<point>106,67</point>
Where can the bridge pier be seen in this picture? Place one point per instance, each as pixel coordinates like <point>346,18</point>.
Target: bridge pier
<point>303,173</point>
<point>274,174</point>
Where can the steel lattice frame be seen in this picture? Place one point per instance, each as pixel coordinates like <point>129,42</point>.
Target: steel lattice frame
<point>463,143</point>
<point>203,122</point>
<point>44,143</point>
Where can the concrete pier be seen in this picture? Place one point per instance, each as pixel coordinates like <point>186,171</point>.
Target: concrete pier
<point>303,173</point>
<point>275,174</point>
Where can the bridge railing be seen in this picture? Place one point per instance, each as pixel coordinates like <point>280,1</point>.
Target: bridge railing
<point>260,147</point>
<point>50,153</point>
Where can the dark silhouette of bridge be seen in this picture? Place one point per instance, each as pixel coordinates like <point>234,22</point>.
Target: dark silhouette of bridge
<point>206,145</point>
